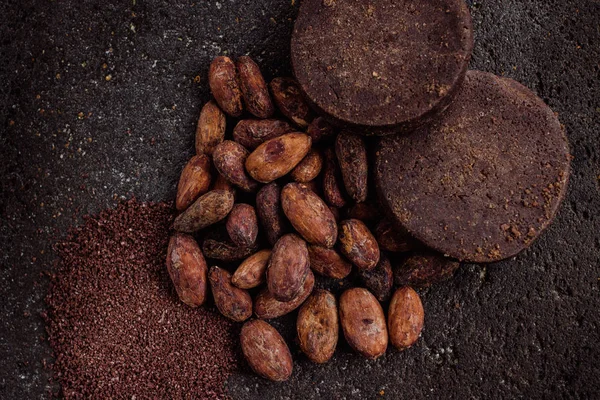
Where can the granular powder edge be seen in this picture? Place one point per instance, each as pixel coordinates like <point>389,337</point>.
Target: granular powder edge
<point>115,323</point>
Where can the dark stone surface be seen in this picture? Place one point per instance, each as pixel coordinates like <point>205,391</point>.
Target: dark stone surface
<point>527,327</point>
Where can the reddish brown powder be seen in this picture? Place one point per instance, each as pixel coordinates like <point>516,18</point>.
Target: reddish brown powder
<point>115,323</point>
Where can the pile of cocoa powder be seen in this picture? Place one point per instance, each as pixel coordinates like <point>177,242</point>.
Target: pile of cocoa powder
<point>115,323</point>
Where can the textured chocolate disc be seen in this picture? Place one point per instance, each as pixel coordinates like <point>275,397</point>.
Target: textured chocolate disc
<point>484,181</point>
<point>380,66</point>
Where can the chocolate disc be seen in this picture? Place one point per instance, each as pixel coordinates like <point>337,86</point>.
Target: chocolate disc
<point>484,181</point>
<point>380,66</point>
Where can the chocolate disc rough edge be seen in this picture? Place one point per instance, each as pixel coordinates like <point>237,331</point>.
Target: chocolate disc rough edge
<point>484,181</point>
<point>394,109</point>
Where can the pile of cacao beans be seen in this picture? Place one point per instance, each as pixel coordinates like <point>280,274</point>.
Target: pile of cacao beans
<point>286,196</point>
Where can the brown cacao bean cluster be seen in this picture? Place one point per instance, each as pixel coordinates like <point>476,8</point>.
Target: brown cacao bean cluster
<point>276,199</point>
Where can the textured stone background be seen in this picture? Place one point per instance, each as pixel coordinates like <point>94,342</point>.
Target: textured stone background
<point>99,102</point>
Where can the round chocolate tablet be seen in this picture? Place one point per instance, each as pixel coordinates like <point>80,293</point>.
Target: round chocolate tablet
<point>381,66</point>
<point>485,180</point>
